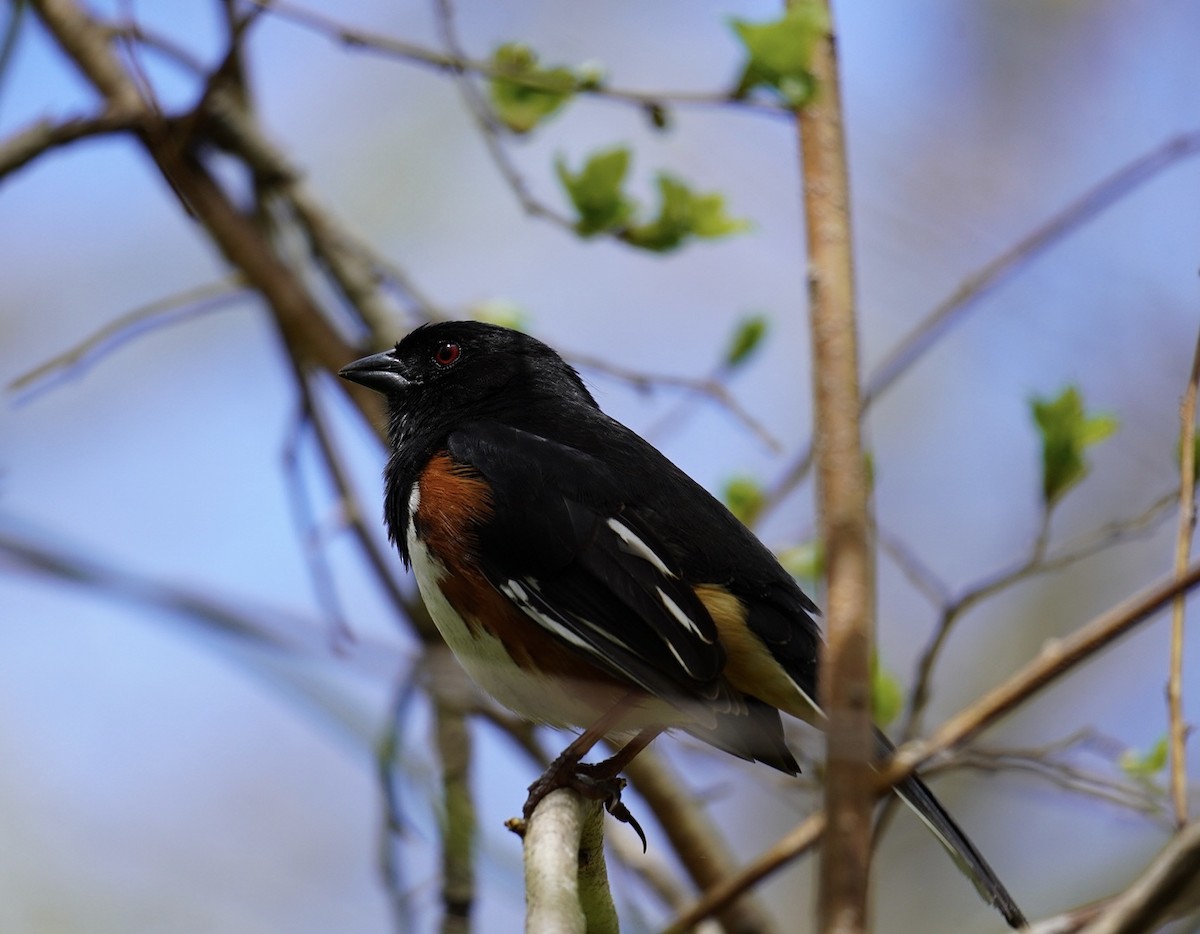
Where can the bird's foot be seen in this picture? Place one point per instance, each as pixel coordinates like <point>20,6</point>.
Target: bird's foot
<point>596,782</point>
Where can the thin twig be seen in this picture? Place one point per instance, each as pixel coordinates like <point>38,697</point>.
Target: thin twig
<point>270,627</point>
<point>710,387</point>
<point>795,843</point>
<point>391,866</point>
<point>311,539</point>
<point>938,322</point>
<point>486,122</point>
<point>1169,888</point>
<point>22,147</point>
<point>411,52</point>
<point>87,42</point>
<point>452,695</point>
<point>655,872</point>
<point>1046,762</point>
<point>1037,562</point>
<point>919,574</point>
<point>133,31</point>
<point>1057,657</point>
<point>699,844</point>
<point>1183,547</point>
<point>134,323</point>
<point>357,269</point>
<point>983,281</point>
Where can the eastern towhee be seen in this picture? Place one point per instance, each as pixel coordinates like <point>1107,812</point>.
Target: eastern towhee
<point>582,579</point>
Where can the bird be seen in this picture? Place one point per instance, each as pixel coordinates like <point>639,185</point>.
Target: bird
<point>585,581</point>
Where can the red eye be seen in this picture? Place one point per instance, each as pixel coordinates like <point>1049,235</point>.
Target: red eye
<point>447,354</point>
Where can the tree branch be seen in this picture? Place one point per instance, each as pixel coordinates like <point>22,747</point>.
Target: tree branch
<point>1035,563</point>
<point>22,147</point>
<point>564,856</point>
<point>803,837</point>
<point>965,298</point>
<point>1177,727</point>
<point>1057,658</point>
<point>649,101</point>
<point>137,321</point>
<point>698,843</point>
<point>843,505</point>
<point>1168,889</point>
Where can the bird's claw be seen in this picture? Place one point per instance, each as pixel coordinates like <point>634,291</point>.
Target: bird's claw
<point>589,780</point>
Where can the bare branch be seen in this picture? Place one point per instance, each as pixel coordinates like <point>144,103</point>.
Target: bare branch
<point>134,32</point>
<point>1183,547</point>
<point>1168,889</point>
<point>554,843</point>
<point>24,146</point>
<point>657,874</point>
<point>355,267</point>
<point>415,54</point>
<point>453,694</point>
<point>489,129</point>
<point>134,323</point>
<point>1037,562</point>
<point>953,309</point>
<point>710,387</point>
<point>87,42</point>
<point>309,531</point>
<point>919,574</point>
<point>803,837</point>
<point>1047,762</point>
<point>696,840</point>
<point>934,326</point>
<point>387,751</point>
<point>21,550</point>
<point>843,501</point>
<point>1057,657</point>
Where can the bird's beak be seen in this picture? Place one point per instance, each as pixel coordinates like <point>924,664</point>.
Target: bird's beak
<point>379,372</point>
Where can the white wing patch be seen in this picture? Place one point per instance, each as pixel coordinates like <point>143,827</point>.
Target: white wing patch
<point>682,618</point>
<point>635,546</point>
<point>518,595</point>
<point>518,592</point>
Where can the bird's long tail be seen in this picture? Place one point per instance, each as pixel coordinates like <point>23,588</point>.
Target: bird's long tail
<point>916,794</point>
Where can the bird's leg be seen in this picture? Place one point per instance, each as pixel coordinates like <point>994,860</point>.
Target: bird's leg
<point>606,775</point>
<point>562,772</point>
<point>601,781</point>
<point>615,764</point>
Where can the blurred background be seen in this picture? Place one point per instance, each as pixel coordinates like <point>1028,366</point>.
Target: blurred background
<point>164,774</point>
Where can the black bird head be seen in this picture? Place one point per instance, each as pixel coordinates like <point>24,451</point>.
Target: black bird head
<point>443,373</point>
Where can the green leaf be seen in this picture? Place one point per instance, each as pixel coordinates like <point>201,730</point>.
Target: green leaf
<point>523,94</point>
<point>805,562</point>
<point>683,213</point>
<point>602,206</point>
<point>1067,432</point>
<point>887,697</point>
<point>747,337</point>
<point>745,498</point>
<point>1145,765</point>
<point>595,191</point>
<point>778,52</point>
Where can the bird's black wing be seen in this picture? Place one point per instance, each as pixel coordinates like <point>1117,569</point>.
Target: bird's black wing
<point>561,544</point>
